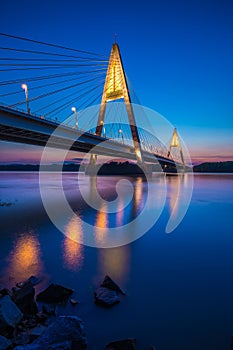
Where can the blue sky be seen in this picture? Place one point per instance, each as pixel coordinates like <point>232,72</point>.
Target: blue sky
<point>177,54</point>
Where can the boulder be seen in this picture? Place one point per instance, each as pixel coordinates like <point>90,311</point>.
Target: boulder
<point>10,315</point>
<point>4,343</point>
<point>21,338</point>
<point>65,333</point>
<point>4,291</point>
<point>106,297</point>
<point>49,309</point>
<point>110,284</point>
<point>24,299</point>
<point>127,344</point>
<point>41,317</point>
<point>36,332</point>
<point>33,279</point>
<point>54,294</point>
<point>67,345</point>
<point>74,302</point>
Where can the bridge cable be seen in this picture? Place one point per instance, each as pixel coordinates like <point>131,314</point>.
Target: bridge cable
<point>49,44</point>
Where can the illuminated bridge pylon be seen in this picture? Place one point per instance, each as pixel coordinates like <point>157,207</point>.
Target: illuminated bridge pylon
<point>116,88</point>
<point>175,143</point>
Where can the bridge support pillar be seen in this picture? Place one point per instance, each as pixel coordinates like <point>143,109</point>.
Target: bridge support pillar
<point>116,88</point>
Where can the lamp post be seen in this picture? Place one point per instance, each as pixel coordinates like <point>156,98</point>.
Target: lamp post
<point>104,130</point>
<point>121,135</point>
<point>75,116</point>
<point>25,88</point>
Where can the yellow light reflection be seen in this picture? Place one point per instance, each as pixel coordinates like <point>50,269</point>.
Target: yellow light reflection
<point>115,262</point>
<point>137,202</point>
<point>120,212</point>
<point>24,259</point>
<point>72,249</point>
<point>174,194</point>
<point>138,190</point>
<point>100,224</point>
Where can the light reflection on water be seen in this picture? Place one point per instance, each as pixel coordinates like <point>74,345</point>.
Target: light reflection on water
<point>115,262</point>
<point>72,250</point>
<point>179,284</point>
<point>24,259</point>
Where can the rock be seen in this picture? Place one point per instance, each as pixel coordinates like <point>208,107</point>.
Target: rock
<point>21,338</point>
<point>127,344</point>
<point>14,289</point>
<point>4,291</point>
<point>36,332</point>
<point>41,317</point>
<point>67,345</point>
<point>33,279</point>
<point>10,315</point>
<point>4,343</point>
<point>74,302</point>
<point>106,297</point>
<point>110,284</point>
<point>24,299</point>
<point>54,294</point>
<point>49,309</point>
<point>63,334</point>
<point>20,328</point>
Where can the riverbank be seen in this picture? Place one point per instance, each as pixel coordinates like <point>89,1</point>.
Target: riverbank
<point>118,168</point>
<point>31,322</point>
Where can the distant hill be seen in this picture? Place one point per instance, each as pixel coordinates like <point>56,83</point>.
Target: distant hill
<point>214,167</point>
<point>209,167</point>
<point>35,167</point>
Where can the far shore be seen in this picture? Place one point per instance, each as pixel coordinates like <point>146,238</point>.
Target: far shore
<point>208,167</point>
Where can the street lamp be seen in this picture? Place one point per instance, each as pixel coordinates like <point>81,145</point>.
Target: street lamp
<point>121,135</point>
<point>25,88</point>
<point>104,130</point>
<point>75,116</point>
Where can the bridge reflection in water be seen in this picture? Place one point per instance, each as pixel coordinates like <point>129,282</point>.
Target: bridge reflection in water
<point>73,253</point>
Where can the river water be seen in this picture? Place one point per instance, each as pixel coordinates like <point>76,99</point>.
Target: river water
<point>179,286</point>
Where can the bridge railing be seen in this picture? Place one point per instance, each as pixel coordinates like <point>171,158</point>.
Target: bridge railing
<point>126,142</point>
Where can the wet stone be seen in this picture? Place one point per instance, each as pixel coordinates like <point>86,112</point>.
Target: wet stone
<point>55,293</point>
<point>21,338</point>
<point>4,343</point>
<point>126,344</point>
<point>10,315</point>
<point>61,334</point>
<point>106,297</point>
<point>74,302</point>
<point>32,279</point>
<point>36,332</point>
<point>24,299</point>
<point>110,284</point>
<point>49,309</point>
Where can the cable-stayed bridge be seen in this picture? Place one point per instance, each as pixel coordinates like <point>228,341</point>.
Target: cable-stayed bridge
<point>83,96</point>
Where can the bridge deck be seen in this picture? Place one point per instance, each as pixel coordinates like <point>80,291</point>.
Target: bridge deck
<point>20,127</point>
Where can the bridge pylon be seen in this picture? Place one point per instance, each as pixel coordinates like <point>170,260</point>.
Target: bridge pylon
<point>116,88</point>
<point>175,143</point>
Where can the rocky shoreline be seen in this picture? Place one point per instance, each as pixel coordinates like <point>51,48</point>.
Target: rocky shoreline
<point>29,321</point>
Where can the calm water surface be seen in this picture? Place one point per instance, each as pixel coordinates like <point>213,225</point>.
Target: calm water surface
<point>179,286</point>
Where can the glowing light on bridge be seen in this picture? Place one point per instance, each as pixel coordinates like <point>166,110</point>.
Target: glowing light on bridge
<point>25,88</point>
<point>75,116</point>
